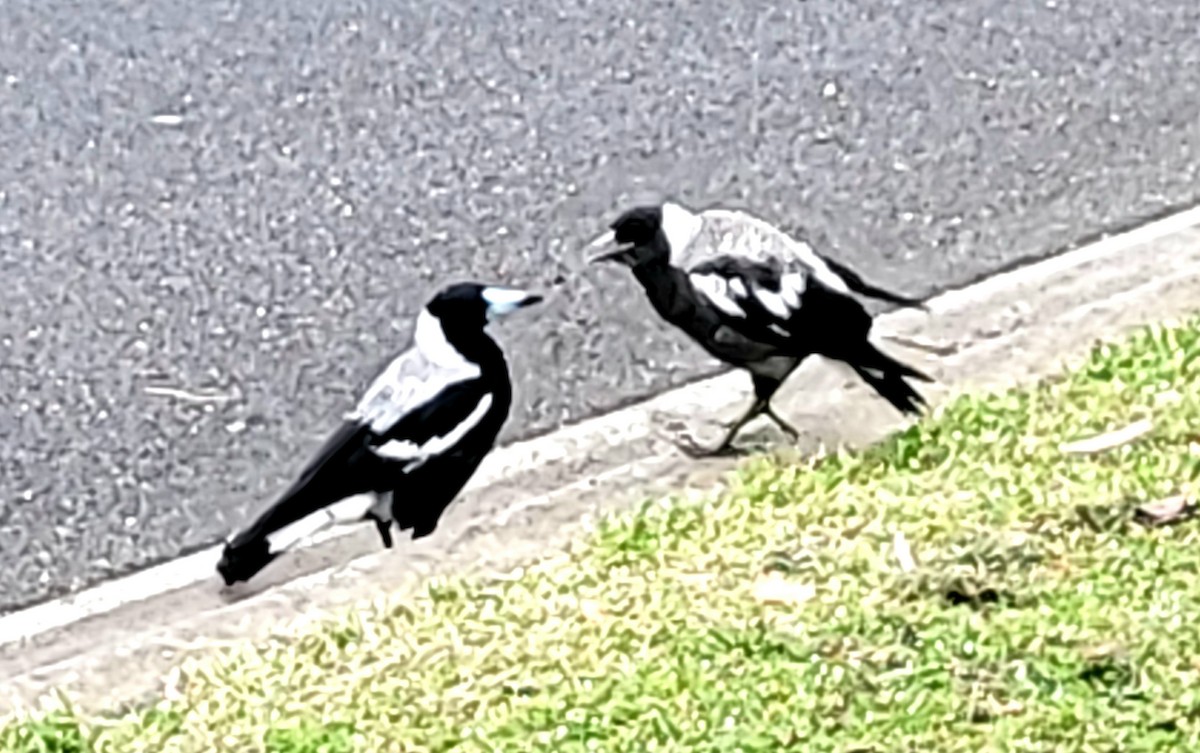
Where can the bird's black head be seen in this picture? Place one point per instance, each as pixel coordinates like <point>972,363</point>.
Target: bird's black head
<point>646,234</point>
<point>639,226</point>
<point>637,237</point>
<point>471,305</point>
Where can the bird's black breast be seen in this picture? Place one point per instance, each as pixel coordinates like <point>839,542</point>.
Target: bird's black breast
<point>423,490</point>
<point>722,335</point>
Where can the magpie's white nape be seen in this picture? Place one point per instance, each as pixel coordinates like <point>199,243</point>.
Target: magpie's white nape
<point>413,441</point>
<point>755,298</point>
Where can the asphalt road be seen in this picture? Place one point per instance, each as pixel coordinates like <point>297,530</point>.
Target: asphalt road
<point>250,200</point>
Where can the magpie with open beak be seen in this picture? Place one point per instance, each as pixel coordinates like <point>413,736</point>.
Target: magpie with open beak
<point>414,439</point>
<point>755,298</point>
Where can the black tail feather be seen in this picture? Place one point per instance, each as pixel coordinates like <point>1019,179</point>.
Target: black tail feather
<point>889,379</point>
<point>243,559</point>
<point>856,283</point>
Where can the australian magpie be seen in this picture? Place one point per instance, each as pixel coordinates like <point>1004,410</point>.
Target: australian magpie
<point>755,298</point>
<point>413,441</point>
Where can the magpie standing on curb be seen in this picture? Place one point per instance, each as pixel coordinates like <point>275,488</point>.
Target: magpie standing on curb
<point>755,298</point>
<point>413,441</point>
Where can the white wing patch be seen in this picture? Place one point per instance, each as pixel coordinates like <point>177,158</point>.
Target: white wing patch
<point>791,287</point>
<point>724,293</point>
<point>404,449</point>
<point>413,378</point>
<point>344,512</point>
<point>772,302</point>
<point>821,270</point>
<point>716,289</point>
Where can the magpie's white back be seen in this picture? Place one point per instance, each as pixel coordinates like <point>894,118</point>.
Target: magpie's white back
<point>756,298</point>
<point>697,237</point>
<point>411,443</point>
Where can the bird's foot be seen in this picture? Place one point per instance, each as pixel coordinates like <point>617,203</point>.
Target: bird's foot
<point>693,449</point>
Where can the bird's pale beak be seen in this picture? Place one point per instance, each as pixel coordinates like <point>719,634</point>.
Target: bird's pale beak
<point>604,248</point>
<point>504,301</point>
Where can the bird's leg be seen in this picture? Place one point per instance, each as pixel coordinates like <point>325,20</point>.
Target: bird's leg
<point>726,445</point>
<point>764,389</point>
<point>381,514</point>
<point>787,428</point>
<point>385,532</point>
<point>755,410</point>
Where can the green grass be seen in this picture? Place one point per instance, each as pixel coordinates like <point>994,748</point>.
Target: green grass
<point>1039,617</point>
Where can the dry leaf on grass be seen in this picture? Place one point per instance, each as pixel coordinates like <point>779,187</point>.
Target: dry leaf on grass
<point>903,552</point>
<point>1103,652</point>
<point>1166,511</point>
<point>591,611</point>
<point>774,588</point>
<point>1006,708</point>
<point>1109,440</point>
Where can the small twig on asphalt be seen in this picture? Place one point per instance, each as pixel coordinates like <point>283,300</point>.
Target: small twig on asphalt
<point>191,397</point>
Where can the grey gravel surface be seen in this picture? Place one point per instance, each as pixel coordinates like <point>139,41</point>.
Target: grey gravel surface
<point>248,202</point>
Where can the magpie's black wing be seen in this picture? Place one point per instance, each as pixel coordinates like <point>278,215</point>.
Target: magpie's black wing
<point>327,478</point>
<point>856,283</point>
<point>766,302</point>
<point>406,408</point>
<point>799,315</point>
<point>438,426</point>
<point>735,233</point>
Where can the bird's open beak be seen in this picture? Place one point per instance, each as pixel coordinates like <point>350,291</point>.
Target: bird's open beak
<point>504,301</point>
<point>605,248</point>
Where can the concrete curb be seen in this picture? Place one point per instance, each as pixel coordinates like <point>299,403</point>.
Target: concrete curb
<point>117,641</point>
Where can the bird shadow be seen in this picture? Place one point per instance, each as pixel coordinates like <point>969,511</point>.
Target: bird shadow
<point>239,592</point>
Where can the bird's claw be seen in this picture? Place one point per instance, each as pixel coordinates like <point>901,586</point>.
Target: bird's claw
<point>693,450</point>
